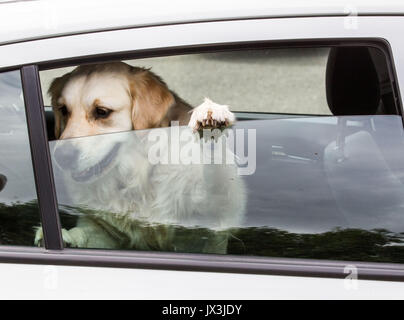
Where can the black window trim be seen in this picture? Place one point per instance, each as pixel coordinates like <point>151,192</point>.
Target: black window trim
<point>42,165</point>
<point>379,43</point>
<point>54,253</point>
<point>201,263</point>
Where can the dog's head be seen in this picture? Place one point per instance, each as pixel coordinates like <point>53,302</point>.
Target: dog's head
<point>101,99</point>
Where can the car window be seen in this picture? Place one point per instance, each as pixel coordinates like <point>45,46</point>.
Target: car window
<point>311,167</point>
<point>19,214</point>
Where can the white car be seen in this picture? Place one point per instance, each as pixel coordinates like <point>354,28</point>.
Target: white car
<point>316,86</point>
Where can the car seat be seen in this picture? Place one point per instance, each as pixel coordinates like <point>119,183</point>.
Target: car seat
<point>361,181</point>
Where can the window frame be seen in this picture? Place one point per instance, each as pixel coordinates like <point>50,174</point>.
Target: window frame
<point>55,253</point>
<point>378,43</point>
<point>41,160</point>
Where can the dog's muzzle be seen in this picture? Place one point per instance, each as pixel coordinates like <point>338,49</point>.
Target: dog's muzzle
<point>67,157</point>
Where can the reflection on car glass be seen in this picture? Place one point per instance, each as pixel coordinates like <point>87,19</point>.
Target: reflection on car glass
<point>19,215</point>
<point>302,201</point>
<point>133,189</point>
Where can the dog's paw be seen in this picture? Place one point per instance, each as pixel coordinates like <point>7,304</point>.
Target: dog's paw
<point>210,115</point>
<point>39,240</point>
<point>71,238</point>
<point>74,238</point>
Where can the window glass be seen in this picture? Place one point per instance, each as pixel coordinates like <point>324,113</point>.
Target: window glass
<point>311,168</point>
<point>19,215</point>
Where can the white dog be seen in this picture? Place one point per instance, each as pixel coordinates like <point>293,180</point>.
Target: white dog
<point>125,200</point>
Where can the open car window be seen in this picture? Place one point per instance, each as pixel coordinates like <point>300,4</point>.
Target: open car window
<point>276,81</point>
<point>310,169</point>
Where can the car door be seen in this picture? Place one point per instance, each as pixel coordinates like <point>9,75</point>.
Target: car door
<point>324,193</point>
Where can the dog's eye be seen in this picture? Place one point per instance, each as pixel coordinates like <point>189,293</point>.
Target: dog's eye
<point>101,112</point>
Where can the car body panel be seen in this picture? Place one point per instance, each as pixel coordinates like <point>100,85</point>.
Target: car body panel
<point>29,20</point>
<point>199,34</point>
<point>67,282</point>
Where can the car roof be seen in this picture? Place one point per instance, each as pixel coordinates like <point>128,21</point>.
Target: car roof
<point>24,20</point>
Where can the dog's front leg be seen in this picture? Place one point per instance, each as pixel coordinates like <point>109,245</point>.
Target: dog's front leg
<point>219,161</point>
<point>75,237</point>
<point>87,234</point>
<point>221,192</point>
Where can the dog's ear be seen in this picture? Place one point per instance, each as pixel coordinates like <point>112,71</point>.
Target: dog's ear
<point>54,91</point>
<point>151,100</point>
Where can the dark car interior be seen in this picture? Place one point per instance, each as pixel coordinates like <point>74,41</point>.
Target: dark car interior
<point>358,82</point>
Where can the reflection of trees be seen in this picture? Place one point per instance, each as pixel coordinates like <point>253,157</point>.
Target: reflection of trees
<point>17,223</point>
<point>377,245</point>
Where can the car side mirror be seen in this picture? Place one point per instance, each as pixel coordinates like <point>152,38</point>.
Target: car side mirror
<point>3,181</point>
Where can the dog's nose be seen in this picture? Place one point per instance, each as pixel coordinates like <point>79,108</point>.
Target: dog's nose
<point>66,156</point>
